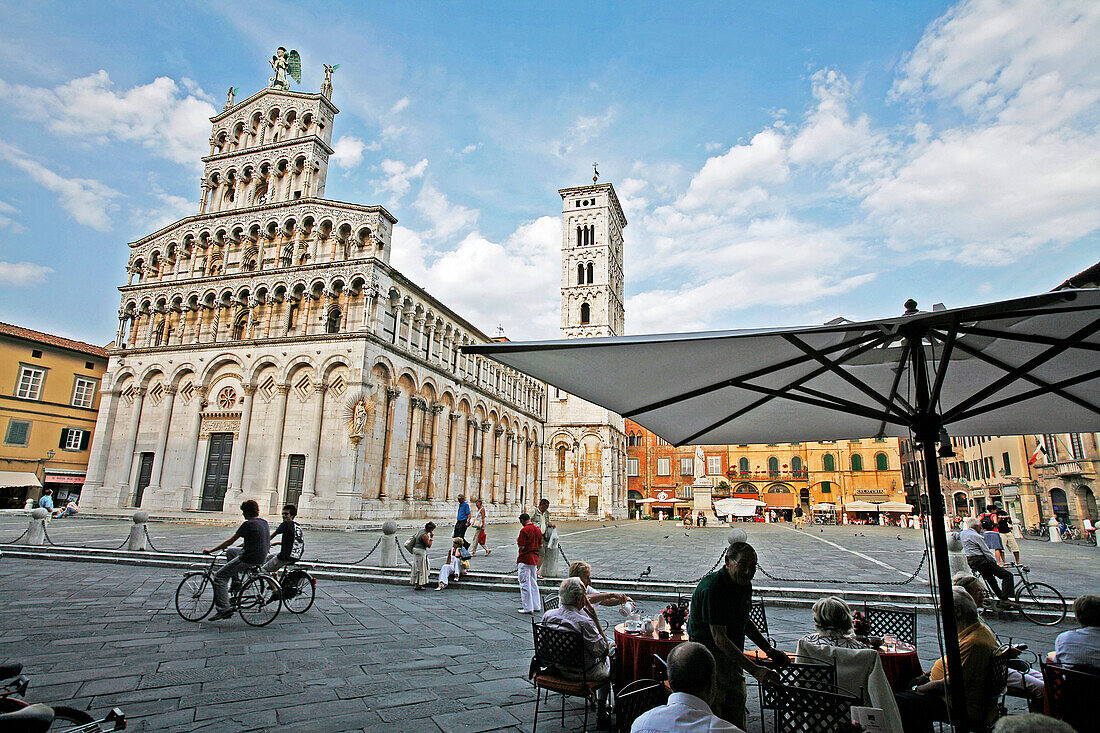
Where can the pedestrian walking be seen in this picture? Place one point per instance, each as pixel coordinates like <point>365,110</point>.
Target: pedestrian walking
<point>529,541</point>
<point>419,544</point>
<point>1004,528</point>
<point>463,521</point>
<point>478,517</point>
<point>541,518</point>
<point>798,520</point>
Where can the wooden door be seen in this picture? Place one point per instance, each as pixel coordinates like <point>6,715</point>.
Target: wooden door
<point>145,472</point>
<point>217,471</point>
<point>295,474</point>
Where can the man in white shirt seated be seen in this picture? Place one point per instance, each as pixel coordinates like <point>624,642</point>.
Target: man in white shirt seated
<point>691,677</point>
<point>1081,647</point>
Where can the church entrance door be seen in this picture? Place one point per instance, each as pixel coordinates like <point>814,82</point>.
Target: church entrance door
<point>295,473</point>
<point>145,472</point>
<point>217,472</point>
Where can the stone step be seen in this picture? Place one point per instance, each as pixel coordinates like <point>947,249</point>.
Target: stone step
<point>640,590</point>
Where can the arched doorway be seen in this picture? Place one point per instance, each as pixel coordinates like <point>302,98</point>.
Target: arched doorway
<point>804,500</point>
<point>1088,499</point>
<point>1059,504</point>
<point>962,504</point>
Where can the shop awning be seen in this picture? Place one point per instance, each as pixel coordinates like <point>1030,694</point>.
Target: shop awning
<point>826,507</point>
<point>895,506</point>
<point>18,479</point>
<point>861,506</point>
<point>782,500</point>
<point>737,507</point>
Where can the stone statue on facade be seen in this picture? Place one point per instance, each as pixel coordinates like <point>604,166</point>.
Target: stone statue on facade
<point>326,85</point>
<point>357,414</point>
<point>285,64</point>
<point>230,98</point>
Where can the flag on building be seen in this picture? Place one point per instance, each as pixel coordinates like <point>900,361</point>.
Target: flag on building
<point>1040,449</point>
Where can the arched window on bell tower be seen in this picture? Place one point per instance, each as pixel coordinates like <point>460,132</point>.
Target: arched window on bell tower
<point>590,273</point>
<point>580,237</point>
<point>580,273</point>
<point>586,314</point>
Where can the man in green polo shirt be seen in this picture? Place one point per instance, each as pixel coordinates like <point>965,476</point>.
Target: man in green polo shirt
<point>719,619</point>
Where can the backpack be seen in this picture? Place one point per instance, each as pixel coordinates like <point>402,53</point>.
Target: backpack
<point>987,523</point>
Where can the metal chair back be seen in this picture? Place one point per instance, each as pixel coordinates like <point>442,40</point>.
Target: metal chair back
<point>550,601</point>
<point>995,685</point>
<point>557,647</point>
<point>635,699</point>
<point>803,709</point>
<point>901,622</point>
<point>806,675</point>
<point>1072,693</point>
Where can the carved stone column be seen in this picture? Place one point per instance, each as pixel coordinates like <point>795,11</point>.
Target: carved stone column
<point>195,458</point>
<point>471,426</point>
<point>494,466</point>
<point>101,444</point>
<point>162,439</point>
<point>288,313</point>
<point>452,422</point>
<point>204,187</point>
<point>507,468</point>
<point>391,394</point>
<point>275,449</point>
<point>434,411</point>
<point>236,459</point>
<point>250,331</point>
<point>416,404</point>
<point>131,445</point>
<point>215,322</point>
<point>309,485</point>
<point>397,323</point>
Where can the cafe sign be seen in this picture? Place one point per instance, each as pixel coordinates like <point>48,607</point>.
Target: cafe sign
<point>664,496</point>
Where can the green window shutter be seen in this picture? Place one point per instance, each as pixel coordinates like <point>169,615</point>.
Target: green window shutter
<point>881,462</point>
<point>64,437</point>
<point>826,487</point>
<point>84,438</point>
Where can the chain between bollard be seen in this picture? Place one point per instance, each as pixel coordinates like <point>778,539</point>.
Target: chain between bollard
<point>47,535</point>
<point>376,544</point>
<point>910,579</point>
<point>563,557</point>
<point>150,540</point>
<point>12,542</point>
<point>403,557</point>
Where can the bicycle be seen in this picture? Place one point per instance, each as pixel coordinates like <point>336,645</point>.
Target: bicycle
<point>16,714</point>
<point>256,601</point>
<point>297,589</point>
<point>1071,533</point>
<point>1039,603</point>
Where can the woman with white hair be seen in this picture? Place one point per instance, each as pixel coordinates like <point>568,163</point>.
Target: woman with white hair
<point>577,614</point>
<point>833,619</point>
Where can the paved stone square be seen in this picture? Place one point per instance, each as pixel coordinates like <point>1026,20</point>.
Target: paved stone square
<point>378,657</point>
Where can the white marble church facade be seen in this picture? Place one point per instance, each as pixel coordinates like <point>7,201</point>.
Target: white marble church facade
<point>266,349</point>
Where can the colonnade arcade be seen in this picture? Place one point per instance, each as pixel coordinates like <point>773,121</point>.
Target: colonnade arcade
<point>422,440</point>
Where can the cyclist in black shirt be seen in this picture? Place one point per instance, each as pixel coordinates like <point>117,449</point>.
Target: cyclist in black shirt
<point>257,541</point>
<point>293,542</point>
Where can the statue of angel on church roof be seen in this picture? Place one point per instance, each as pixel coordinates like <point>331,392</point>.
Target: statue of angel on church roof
<point>285,63</point>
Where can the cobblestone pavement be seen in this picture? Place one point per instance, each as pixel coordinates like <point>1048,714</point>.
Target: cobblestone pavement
<point>366,657</point>
<point>814,556</point>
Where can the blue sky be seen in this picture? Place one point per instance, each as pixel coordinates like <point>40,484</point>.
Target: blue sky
<point>780,163</point>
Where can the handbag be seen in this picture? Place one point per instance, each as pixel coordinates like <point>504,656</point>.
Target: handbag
<point>410,543</point>
<point>464,554</point>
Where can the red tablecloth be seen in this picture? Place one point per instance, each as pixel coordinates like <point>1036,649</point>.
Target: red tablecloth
<point>900,666</point>
<point>635,652</point>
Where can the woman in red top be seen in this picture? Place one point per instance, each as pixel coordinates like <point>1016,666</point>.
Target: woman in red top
<point>529,541</point>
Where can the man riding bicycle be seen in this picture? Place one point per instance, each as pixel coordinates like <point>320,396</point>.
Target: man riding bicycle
<point>257,541</point>
<point>293,543</point>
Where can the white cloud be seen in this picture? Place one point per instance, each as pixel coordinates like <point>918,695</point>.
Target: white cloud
<point>399,176</point>
<point>742,174</point>
<point>168,118</point>
<point>7,211</point>
<point>348,151</point>
<point>470,148</point>
<point>399,105</point>
<point>446,218</point>
<point>87,201</point>
<point>584,130</point>
<point>524,270</point>
<point>21,274</point>
<point>828,133</point>
<point>168,209</point>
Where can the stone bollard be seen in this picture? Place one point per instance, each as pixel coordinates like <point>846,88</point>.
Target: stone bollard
<point>1055,533</point>
<point>737,535</point>
<point>956,560</point>
<point>139,542</point>
<point>36,530</point>
<point>389,544</point>
<point>29,505</point>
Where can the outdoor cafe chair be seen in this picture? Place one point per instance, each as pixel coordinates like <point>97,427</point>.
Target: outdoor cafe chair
<point>635,699</point>
<point>901,622</point>
<point>805,708</point>
<point>1072,693</point>
<point>554,647</point>
<point>550,601</point>
<point>806,674</point>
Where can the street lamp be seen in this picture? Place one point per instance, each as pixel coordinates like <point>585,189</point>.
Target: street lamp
<point>50,454</point>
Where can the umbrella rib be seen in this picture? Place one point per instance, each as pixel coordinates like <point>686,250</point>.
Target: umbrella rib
<point>945,361</point>
<point>1029,338</point>
<point>834,367</point>
<point>1038,392</point>
<point>1022,370</point>
<point>837,402</point>
<point>873,338</point>
<point>902,361</point>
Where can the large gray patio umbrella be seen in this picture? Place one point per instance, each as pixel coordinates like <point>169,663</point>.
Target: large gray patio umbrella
<point>1028,365</point>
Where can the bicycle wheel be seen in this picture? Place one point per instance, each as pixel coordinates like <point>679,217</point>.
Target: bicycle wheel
<point>195,596</point>
<point>64,714</point>
<point>258,601</point>
<point>1041,604</point>
<point>298,591</point>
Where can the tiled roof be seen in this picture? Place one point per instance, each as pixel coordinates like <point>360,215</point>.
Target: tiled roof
<point>7,329</point>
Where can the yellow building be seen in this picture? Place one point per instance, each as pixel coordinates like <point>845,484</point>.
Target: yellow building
<point>49,399</point>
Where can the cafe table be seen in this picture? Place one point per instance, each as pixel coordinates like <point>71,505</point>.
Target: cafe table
<point>635,650</point>
<point>901,665</point>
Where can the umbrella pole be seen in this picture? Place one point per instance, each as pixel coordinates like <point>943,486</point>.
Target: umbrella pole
<point>927,424</point>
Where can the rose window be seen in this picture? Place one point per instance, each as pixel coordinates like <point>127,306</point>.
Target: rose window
<point>227,398</point>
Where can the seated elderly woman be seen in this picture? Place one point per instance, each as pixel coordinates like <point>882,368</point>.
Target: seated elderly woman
<point>576,613</point>
<point>833,619</point>
<point>582,570</point>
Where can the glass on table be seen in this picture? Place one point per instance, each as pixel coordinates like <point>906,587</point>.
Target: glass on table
<point>890,641</point>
